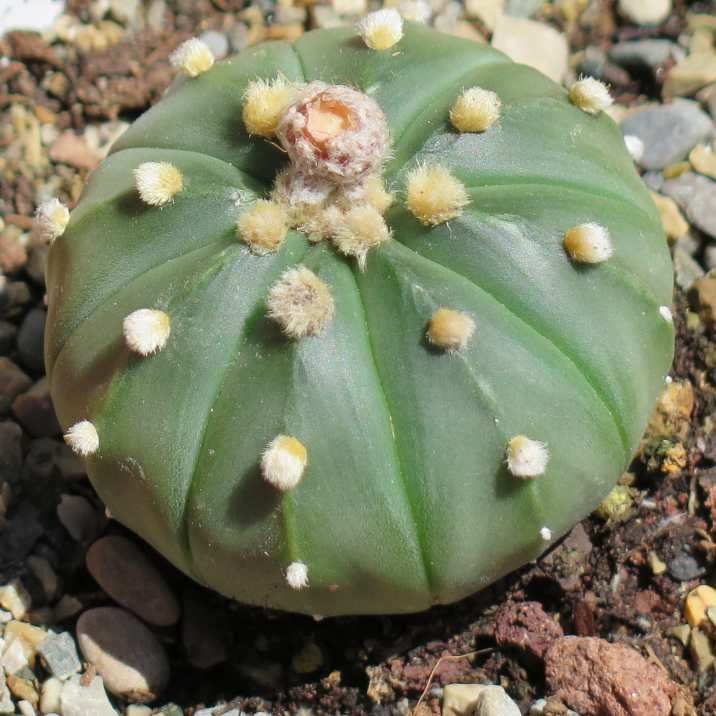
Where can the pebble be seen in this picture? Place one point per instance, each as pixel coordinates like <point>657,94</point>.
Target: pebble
<point>698,602</point>
<point>488,11</point>
<point>702,296</point>
<point>45,574</point>
<point>15,598</point>
<point>30,340</point>
<point>700,649</point>
<point>125,572</point>
<point>538,709</point>
<point>239,37</point>
<point>26,708</point>
<point>644,54</point>
<point>125,653</point>
<point>79,518</point>
<point>695,194</point>
<point>59,653</point>
<point>533,43</point>
<point>70,148</point>
<point>350,7</point>
<point>202,634</point>
<point>139,710</point>
<point>50,695</point>
<point>217,42</point>
<point>645,12</point>
<point>13,381</point>
<point>522,8</point>
<point>308,659</point>
<point>675,226</point>
<point>35,411</point>
<point>494,701</point>
<point>460,699</point>
<point>703,160</point>
<point>8,332</point>
<point>669,132</point>
<point>14,656</point>
<point>527,627</point>
<point>79,700</point>
<point>686,269</point>
<point>690,75</point>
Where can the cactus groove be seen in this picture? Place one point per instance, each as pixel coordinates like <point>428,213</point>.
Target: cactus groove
<point>327,426</point>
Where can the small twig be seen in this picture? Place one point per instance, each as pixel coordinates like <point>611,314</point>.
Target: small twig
<point>448,657</point>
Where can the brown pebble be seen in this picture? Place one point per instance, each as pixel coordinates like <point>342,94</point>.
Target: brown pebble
<point>526,626</point>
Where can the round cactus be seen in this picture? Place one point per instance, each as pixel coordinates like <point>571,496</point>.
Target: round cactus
<point>362,323</point>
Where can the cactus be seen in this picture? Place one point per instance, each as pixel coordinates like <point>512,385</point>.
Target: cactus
<point>362,323</point>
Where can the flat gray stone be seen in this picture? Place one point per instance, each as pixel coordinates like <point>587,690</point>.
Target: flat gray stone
<point>59,653</point>
<point>696,195</point>
<point>78,700</point>
<point>669,132</point>
<point>644,54</point>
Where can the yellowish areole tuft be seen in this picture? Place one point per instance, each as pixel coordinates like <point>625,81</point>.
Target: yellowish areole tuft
<point>590,95</point>
<point>297,575</point>
<point>666,314</point>
<point>435,195</point>
<point>146,330</point>
<point>263,226</point>
<point>82,438</point>
<point>526,458</point>
<point>284,462</point>
<point>450,330</point>
<point>300,303</point>
<point>264,104</point>
<point>361,229</point>
<point>475,110</point>
<point>192,57</point>
<point>377,195</point>
<point>158,182</point>
<point>51,219</point>
<point>381,29</point>
<point>588,243</point>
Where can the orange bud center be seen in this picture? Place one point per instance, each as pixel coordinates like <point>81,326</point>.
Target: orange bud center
<point>325,120</point>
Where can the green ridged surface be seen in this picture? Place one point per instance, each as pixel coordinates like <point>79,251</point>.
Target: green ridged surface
<point>406,501</point>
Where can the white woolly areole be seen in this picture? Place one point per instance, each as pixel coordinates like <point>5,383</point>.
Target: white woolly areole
<point>381,29</point>
<point>82,438</point>
<point>146,330</point>
<point>359,230</point>
<point>192,57</point>
<point>634,146</point>
<point>51,219</point>
<point>590,95</point>
<point>284,462</point>
<point>588,243</point>
<point>665,313</point>
<point>334,132</point>
<point>297,575</point>
<point>415,10</point>
<point>526,458</point>
<point>475,110</point>
<point>546,534</point>
<point>158,182</point>
<point>300,303</point>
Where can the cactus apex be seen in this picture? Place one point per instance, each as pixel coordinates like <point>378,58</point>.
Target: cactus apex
<point>475,110</point>
<point>590,95</point>
<point>381,29</point>
<point>666,314</point>
<point>265,101</point>
<point>450,330</point>
<point>526,458</point>
<point>146,330</point>
<point>300,303</point>
<point>434,195</point>
<point>359,230</point>
<point>588,243</point>
<point>193,57</point>
<point>82,438</point>
<point>51,219</point>
<point>297,575</point>
<point>158,182</point>
<point>263,226</point>
<point>284,462</point>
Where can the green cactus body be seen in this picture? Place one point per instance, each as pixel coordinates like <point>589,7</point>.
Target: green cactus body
<point>406,500</point>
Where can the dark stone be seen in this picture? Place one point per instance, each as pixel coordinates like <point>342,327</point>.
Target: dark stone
<point>684,568</point>
<point>30,340</point>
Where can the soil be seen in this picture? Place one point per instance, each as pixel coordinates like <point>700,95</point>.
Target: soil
<point>601,580</point>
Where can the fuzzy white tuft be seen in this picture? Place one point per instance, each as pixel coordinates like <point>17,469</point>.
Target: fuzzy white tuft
<point>263,226</point>
<point>590,95</point>
<point>284,462</point>
<point>665,313</point>
<point>526,458</point>
<point>434,195</point>
<point>475,110</point>
<point>82,438</point>
<point>51,219</point>
<point>146,330</point>
<point>300,303</point>
<point>192,57</point>
<point>358,231</point>
<point>265,101</point>
<point>158,182</point>
<point>297,575</point>
<point>546,534</point>
<point>450,330</point>
<point>381,29</point>
<point>588,243</point>
<point>634,146</point>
